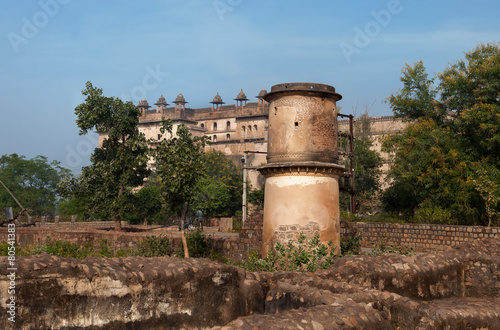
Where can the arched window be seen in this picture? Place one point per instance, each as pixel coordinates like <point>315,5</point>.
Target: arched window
<point>242,131</point>
<point>249,128</point>
<point>202,125</point>
<point>255,127</point>
<point>228,125</point>
<point>215,126</point>
<point>228,136</point>
<point>214,138</point>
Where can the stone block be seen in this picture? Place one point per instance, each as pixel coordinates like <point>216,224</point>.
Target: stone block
<point>226,225</point>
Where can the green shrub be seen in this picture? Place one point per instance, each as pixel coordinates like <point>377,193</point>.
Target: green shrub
<point>154,246</point>
<point>383,248</point>
<point>105,249</point>
<point>304,256</point>
<point>66,249</point>
<point>350,245</point>
<point>256,196</point>
<point>198,245</point>
<point>435,215</point>
<point>4,249</point>
<point>237,224</point>
<point>349,217</point>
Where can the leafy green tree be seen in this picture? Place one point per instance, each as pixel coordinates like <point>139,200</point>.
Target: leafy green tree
<point>212,197</point>
<point>224,181</point>
<point>488,189</point>
<point>180,166</point>
<point>429,170</point>
<point>71,203</point>
<point>73,206</point>
<point>32,181</point>
<point>367,166</point>
<point>473,80</point>
<point>417,97</point>
<point>451,167</point>
<point>121,162</point>
<point>148,202</point>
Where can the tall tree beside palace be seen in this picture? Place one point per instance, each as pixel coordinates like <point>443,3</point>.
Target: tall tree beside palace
<point>446,162</point>
<point>180,166</point>
<point>120,164</point>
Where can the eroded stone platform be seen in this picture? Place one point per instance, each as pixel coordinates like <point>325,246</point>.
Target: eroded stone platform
<point>455,289</point>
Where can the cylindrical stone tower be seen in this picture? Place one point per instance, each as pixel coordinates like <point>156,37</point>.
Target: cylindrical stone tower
<point>302,190</point>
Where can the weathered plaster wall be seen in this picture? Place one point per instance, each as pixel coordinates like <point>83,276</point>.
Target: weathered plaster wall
<point>53,292</point>
<point>301,201</point>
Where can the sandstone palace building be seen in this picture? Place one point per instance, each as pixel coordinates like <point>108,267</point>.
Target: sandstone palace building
<point>235,128</point>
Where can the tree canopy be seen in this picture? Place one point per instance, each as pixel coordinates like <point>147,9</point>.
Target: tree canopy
<point>447,161</point>
<point>417,97</point>
<point>121,162</point>
<point>32,181</point>
<point>180,166</point>
<point>219,193</point>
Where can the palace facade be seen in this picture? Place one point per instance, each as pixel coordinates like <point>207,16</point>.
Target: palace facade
<point>236,128</point>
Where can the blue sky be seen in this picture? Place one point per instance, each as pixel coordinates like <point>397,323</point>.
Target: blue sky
<point>135,49</point>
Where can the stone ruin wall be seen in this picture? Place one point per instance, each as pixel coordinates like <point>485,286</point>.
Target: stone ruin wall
<point>421,237</point>
<point>456,289</point>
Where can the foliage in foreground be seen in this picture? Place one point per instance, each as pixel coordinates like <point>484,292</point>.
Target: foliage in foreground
<point>198,245</point>
<point>70,250</point>
<point>306,256</point>
<point>382,247</point>
<point>151,246</point>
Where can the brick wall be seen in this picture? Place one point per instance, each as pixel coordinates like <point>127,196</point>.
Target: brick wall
<point>422,237</point>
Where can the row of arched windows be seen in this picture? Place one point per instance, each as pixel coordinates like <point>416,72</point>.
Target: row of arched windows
<point>214,126</point>
<point>214,137</point>
<point>228,126</point>
<point>247,130</point>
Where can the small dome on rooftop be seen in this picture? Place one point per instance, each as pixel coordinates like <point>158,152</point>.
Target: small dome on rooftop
<point>241,96</point>
<point>161,101</point>
<point>143,103</point>
<point>262,93</point>
<point>217,99</point>
<point>180,99</point>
